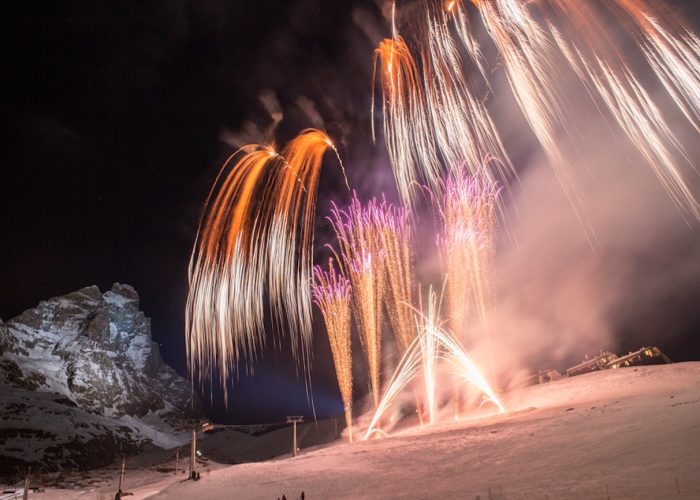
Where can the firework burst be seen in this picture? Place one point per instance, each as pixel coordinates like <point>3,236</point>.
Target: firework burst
<point>432,345</point>
<point>465,135</point>
<point>671,49</point>
<point>608,77</point>
<point>433,121</point>
<point>532,37</point>
<point>393,231</point>
<point>331,292</point>
<point>362,260</point>
<point>467,212</point>
<point>255,237</point>
<point>408,131</point>
<point>256,232</point>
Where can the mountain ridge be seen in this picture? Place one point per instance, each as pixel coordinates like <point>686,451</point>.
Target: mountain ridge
<point>81,381</point>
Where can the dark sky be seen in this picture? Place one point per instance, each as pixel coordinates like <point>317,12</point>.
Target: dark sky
<point>114,114</point>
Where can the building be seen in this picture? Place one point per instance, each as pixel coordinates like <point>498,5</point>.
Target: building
<point>600,362</point>
<point>644,356</point>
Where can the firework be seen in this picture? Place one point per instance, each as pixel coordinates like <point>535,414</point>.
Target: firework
<point>465,367</point>
<point>429,326</point>
<point>467,212</point>
<point>609,77</point>
<point>393,231</point>
<point>529,46</point>
<point>256,233</point>
<point>395,237</point>
<point>433,121</point>
<point>464,133</point>
<point>671,50</point>
<point>529,65</point>
<point>331,292</point>
<point>408,131</point>
<point>408,368</point>
<point>432,344</point>
<point>361,258</point>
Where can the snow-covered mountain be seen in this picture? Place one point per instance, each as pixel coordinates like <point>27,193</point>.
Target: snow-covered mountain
<point>82,381</point>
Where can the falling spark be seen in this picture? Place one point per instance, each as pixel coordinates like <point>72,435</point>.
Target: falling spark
<point>464,133</point>
<point>256,234</point>
<point>671,50</point>
<point>607,76</point>
<point>408,131</point>
<point>432,120</point>
<point>527,36</point>
<point>468,40</point>
<point>529,64</point>
<point>331,292</point>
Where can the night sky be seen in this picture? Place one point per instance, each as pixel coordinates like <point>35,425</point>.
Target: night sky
<point>118,115</point>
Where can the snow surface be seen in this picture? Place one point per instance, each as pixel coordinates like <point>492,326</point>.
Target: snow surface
<point>628,433</point>
<point>117,299</point>
<point>42,421</point>
<point>153,428</point>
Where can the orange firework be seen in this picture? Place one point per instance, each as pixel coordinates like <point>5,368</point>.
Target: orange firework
<point>528,34</point>
<point>433,122</point>
<point>407,128</point>
<point>256,233</point>
<point>362,260</point>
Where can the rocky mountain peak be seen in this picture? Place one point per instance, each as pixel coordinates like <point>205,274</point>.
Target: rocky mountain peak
<point>94,352</point>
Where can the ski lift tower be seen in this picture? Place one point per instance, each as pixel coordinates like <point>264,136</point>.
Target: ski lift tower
<point>194,425</point>
<point>294,420</point>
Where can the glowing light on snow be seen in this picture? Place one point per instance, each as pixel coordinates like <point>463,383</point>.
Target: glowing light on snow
<point>432,345</point>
